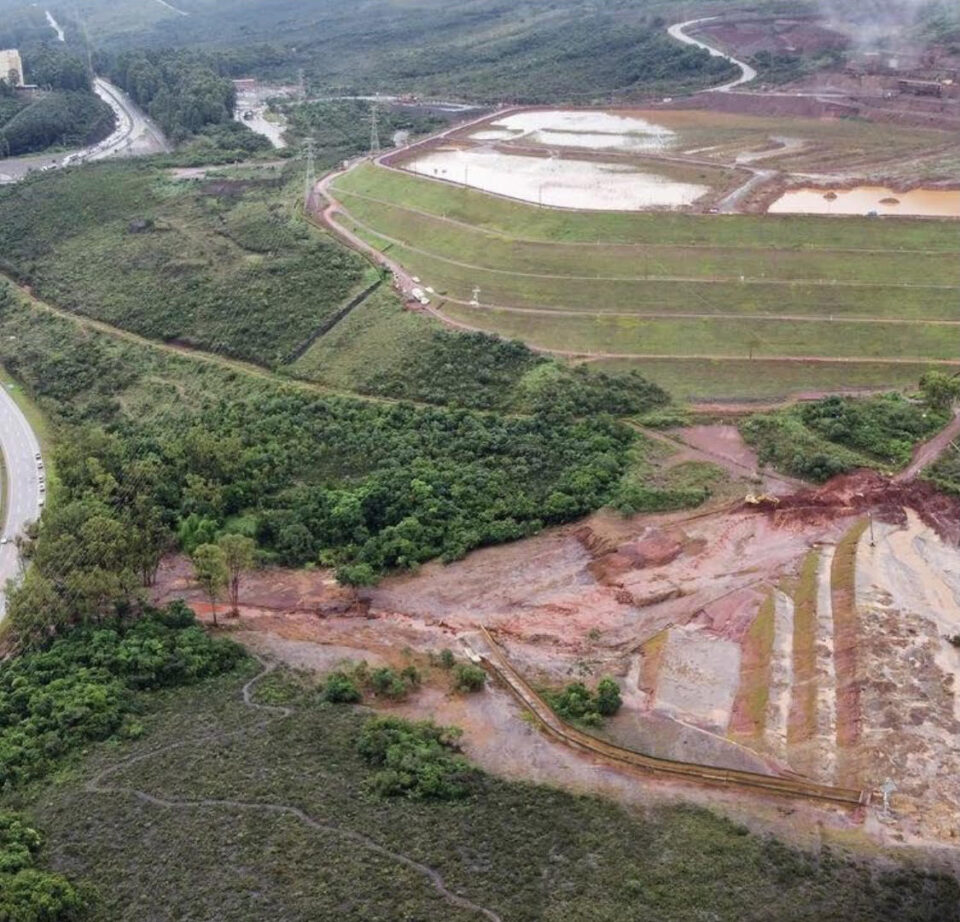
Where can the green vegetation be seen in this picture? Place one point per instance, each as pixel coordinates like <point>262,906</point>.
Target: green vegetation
<point>527,852</point>
<point>820,439</point>
<point>26,893</point>
<point>577,704</point>
<point>55,700</point>
<point>416,760</point>
<point>183,92</point>
<point>946,472</point>
<point>481,371</point>
<point>67,114</point>
<point>156,438</point>
<point>762,379</point>
<point>468,678</point>
<point>221,264</point>
<point>340,128</point>
<point>74,119</point>
<point>486,50</point>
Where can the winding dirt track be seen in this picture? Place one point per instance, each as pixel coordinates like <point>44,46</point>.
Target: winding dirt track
<point>927,453</point>
<point>99,785</point>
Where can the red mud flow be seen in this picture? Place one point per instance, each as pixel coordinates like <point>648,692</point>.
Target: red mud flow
<point>866,490</point>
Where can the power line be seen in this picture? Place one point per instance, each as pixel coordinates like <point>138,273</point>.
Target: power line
<point>310,177</point>
<point>374,130</point>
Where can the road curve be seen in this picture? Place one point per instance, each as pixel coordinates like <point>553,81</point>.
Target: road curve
<point>20,449</point>
<point>747,73</point>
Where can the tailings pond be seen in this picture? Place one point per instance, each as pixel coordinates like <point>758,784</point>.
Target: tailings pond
<point>862,200</point>
<point>587,129</point>
<point>558,182</point>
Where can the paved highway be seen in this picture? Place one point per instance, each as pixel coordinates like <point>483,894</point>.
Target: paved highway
<point>20,449</point>
<point>135,134</point>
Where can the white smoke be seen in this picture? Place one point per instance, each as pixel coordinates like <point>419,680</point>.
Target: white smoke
<point>875,23</point>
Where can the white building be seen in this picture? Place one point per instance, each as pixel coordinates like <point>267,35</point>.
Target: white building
<point>11,67</point>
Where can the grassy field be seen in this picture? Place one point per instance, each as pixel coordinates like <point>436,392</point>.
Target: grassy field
<point>525,852</point>
<point>720,337</point>
<point>611,284</point>
<point>761,379</point>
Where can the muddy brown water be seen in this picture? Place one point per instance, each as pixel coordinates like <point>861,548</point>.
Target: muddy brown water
<point>861,200</point>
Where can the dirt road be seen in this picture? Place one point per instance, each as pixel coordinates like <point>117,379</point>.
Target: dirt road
<point>927,453</point>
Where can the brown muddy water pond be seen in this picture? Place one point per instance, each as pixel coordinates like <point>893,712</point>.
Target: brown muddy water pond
<point>862,200</point>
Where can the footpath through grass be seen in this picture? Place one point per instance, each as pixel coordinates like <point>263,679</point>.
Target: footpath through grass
<point>525,853</point>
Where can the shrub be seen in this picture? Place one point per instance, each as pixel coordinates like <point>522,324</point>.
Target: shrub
<point>387,684</point>
<point>608,697</point>
<point>468,678</point>
<point>340,689</point>
<point>81,687</point>
<point>28,894</point>
<point>415,760</point>
<point>578,704</point>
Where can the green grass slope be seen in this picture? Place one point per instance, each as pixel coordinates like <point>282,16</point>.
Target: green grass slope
<point>223,265</point>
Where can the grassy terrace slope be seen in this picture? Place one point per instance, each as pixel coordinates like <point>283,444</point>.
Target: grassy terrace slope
<point>220,264</point>
<point>880,293</point>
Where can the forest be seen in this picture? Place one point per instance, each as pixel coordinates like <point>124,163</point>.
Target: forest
<point>66,114</point>
<point>546,50</point>
<point>158,450</point>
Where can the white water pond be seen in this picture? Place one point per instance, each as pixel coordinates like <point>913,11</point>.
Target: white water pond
<point>562,183</point>
<point>586,129</point>
<point>937,203</point>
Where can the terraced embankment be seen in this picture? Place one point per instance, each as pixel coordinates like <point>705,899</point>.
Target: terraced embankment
<point>692,300</point>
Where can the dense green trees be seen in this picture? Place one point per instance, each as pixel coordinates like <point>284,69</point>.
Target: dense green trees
<point>578,704</point>
<point>68,115</point>
<point>158,446</point>
<point>78,688</point>
<point>941,391</point>
<point>69,119</point>
<point>485,372</point>
<point>51,67</point>
<point>180,90</point>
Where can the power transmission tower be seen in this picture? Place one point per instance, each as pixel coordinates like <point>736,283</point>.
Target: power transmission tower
<point>310,180</point>
<point>374,131</point>
<point>302,86</point>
